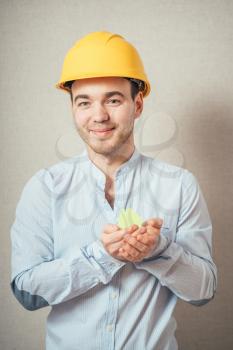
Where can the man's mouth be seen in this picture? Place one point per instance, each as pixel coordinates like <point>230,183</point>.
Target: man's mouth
<point>104,131</point>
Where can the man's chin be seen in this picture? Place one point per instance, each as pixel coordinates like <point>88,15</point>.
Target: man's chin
<point>105,151</point>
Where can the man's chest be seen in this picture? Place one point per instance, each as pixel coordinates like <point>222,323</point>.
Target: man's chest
<point>79,220</point>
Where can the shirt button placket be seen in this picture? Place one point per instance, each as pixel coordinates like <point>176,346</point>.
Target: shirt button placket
<point>111,318</point>
<point>110,327</point>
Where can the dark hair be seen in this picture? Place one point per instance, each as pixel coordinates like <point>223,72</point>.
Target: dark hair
<point>136,86</point>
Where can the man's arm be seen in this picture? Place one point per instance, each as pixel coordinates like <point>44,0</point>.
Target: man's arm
<point>185,265</point>
<point>37,278</point>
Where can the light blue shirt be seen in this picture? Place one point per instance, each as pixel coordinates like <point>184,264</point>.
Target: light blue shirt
<point>99,302</point>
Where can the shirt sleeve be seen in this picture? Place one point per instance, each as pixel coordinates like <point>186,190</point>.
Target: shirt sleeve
<point>37,278</point>
<point>185,265</point>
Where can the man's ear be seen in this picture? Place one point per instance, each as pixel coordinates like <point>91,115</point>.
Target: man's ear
<point>138,104</point>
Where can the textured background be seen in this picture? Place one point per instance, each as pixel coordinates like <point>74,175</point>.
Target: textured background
<point>187,49</point>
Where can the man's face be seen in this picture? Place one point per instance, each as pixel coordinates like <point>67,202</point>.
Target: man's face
<point>104,113</point>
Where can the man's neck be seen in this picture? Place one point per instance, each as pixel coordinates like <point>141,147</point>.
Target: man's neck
<point>109,164</point>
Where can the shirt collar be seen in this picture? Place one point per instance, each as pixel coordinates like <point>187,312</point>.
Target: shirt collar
<point>99,177</point>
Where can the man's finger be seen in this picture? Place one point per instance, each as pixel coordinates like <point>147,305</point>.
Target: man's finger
<point>147,239</point>
<point>113,248</point>
<point>113,237</point>
<point>140,230</point>
<point>109,228</point>
<point>149,230</point>
<point>131,250</point>
<point>132,228</point>
<point>123,254</point>
<point>135,243</point>
<point>155,222</point>
<point>152,231</point>
<point>128,257</point>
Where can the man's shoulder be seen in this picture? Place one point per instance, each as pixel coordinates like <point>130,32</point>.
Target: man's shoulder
<point>166,170</point>
<point>55,175</point>
<point>160,166</point>
<point>64,166</point>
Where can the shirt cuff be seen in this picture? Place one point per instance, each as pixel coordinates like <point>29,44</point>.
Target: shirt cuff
<point>101,252</point>
<point>104,263</point>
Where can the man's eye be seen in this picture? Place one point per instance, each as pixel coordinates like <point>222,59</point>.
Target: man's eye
<point>83,104</point>
<point>114,101</point>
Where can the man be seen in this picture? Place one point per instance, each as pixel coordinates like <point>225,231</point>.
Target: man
<point>110,287</point>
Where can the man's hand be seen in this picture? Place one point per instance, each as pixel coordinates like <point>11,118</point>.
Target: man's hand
<point>140,242</point>
<point>134,243</point>
<point>112,239</point>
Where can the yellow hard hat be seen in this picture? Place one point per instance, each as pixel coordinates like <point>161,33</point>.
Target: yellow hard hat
<point>103,54</point>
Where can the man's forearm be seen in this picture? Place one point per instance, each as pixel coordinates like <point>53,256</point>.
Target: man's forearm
<point>190,277</point>
<point>56,281</point>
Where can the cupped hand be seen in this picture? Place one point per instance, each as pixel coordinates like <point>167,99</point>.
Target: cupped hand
<point>112,239</point>
<point>140,242</point>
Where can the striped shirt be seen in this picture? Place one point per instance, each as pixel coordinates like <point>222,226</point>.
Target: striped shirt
<point>99,302</point>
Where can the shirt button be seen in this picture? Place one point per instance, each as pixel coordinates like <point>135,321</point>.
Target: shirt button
<point>109,327</point>
<point>114,295</point>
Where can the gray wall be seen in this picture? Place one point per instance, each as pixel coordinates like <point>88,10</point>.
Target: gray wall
<point>187,49</point>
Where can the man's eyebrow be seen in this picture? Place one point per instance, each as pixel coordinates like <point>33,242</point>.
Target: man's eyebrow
<point>112,93</point>
<point>107,94</point>
<point>81,96</point>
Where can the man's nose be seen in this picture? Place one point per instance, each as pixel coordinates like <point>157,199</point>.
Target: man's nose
<point>100,113</point>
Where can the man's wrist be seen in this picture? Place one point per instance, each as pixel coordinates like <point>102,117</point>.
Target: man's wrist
<point>100,246</point>
<point>159,249</point>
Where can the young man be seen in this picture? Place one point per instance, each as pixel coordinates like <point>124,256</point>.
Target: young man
<point>110,287</point>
